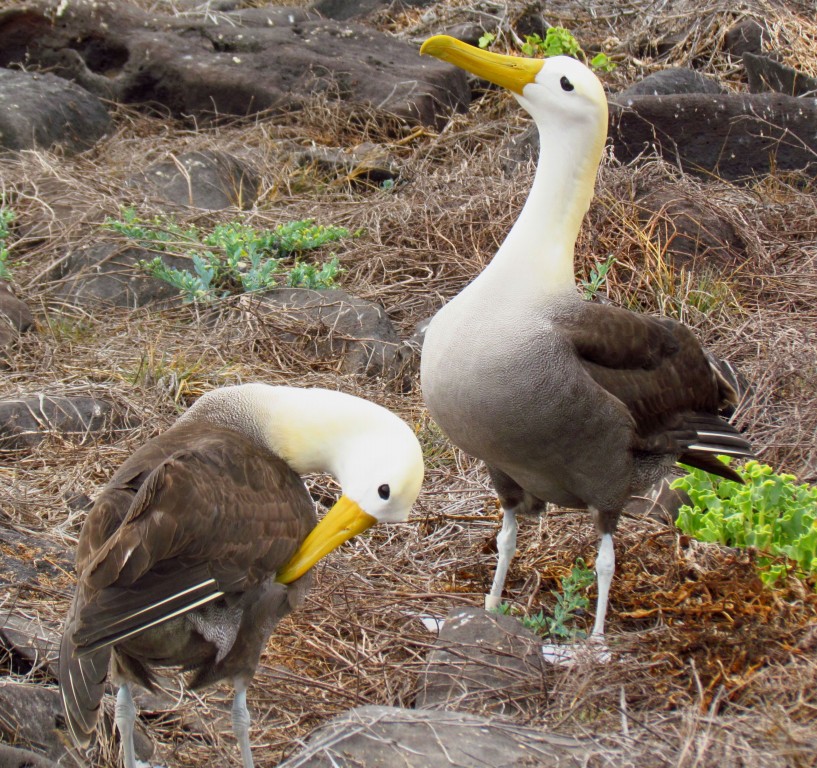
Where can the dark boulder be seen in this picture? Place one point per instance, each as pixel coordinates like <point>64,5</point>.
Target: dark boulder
<point>668,81</point>
<point>484,662</point>
<point>206,66</point>
<point>108,273</point>
<point>26,422</point>
<point>209,180</point>
<point>734,136</point>
<point>766,74</point>
<point>39,110</point>
<point>388,736</point>
<point>690,231</point>
<point>349,333</point>
<point>746,36</point>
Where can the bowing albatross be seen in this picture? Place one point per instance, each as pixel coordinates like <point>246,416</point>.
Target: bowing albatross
<point>570,402</point>
<point>203,540</point>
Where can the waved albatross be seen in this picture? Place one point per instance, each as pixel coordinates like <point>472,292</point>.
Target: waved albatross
<point>566,401</point>
<point>203,540</point>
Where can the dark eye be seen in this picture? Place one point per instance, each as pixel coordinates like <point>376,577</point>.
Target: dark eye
<point>566,84</point>
<point>384,491</point>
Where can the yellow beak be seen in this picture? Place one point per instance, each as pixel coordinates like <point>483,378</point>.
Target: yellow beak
<point>344,520</point>
<point>511,72</point>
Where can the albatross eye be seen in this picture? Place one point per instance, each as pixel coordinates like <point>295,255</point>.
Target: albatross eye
<point>384,491</point>
<point>566,84</point>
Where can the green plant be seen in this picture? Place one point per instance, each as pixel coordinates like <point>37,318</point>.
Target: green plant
<point>6,217</point>
<point>770,512</point>
<point>570,600</point>
<point>233,257</point>
<point>557,41</point>
<point>597,277</point>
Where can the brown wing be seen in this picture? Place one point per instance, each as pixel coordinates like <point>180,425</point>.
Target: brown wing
<point>212,518</point>
<point>658,369</point>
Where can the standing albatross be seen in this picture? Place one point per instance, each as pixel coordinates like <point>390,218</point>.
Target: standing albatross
<point>570,402</point>
<point>203,540</point>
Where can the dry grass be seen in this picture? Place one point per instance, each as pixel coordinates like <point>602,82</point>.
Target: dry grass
<point>711,669</point>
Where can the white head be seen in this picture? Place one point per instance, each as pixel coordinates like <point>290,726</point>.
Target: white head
<point>562,95</point>
<point>374,455</point>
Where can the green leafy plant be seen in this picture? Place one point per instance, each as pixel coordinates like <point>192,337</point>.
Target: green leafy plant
<point>233,257</point>
<point>770,512</point>
<point>557,41</point>
<point>6,217</point>
<point>569,601</point>
<point>597,277</point>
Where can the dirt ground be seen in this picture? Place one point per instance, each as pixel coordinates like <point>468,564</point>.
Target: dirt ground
<point>710,668</point>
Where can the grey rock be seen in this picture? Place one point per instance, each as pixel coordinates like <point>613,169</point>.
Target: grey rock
<point>27,556</point>
<point>205,67</point>
<point>31,717</point>
<point>766,74</point>
<point>14,311</point>
<point>11,757</point>
<point>661,502</point>
<point>669,81</point>
<point>470,31</point>
<point>735,136</point>
<point>367,165</point>
<point>520,150</point>
<point>484,662</point>
<point>334,326</point>
<point>746,36</point>
<point>15,318</point>
<point>40,110</point>
<point>26,422</point>
<point>31,639</point>
<point>209,180</point>
<point>690,231</point>
<point>107,273</point>
<point>342,10</point>
<point>386,737</point>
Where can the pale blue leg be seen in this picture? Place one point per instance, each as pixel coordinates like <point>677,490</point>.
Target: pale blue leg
<point>241,723</point>
<point>605,568</point>
<point>125,718</point>
<point>506,549</point>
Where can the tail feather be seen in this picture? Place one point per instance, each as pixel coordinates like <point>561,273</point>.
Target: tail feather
<point>715,437</point>
<point>82,683</point>
<point>117,613</point>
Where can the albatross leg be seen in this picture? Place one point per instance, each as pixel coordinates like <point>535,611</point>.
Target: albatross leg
<point>605,567</point>
<point>241,722</point>
<point>125,717</point>
<point>506,548</point>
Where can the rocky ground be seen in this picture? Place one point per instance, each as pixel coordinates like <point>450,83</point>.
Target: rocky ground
<point>215,112</point>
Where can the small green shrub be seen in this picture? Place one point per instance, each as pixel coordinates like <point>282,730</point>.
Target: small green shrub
<point>597,277</point>
<point>6,217</point>
<point>770,512</point>
<point>233,257</point>
<point>570,600</point>
<point>557,41</point>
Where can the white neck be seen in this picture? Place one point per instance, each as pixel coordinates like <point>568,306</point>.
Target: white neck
<point>536,258</point>
<point>308,428</point>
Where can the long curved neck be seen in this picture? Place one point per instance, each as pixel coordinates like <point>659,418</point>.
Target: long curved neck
<point>537,254</point>
<point>306,427</point>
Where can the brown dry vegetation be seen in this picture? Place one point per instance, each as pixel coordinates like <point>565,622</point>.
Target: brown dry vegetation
<point>710,669</point>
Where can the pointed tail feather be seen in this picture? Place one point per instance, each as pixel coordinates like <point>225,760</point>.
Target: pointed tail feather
<point>715,437</point>
<point>82,683</point>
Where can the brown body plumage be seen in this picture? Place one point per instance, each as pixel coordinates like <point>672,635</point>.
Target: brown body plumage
<point>163,533</point>
<point>203,540</point>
